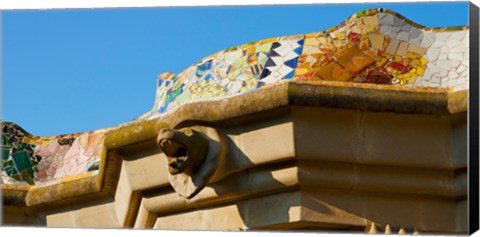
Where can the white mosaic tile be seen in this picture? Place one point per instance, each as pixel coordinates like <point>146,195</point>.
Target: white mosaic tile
<point>416,33</point>
<point>438,44</point>
<point>453,43</point>
<point>443,36</point>
<point>466,39</point>
<point>395,29</point>
<point>443,56</point>
<point>386,19</point>
<point>459,35</point>
<point>458,48</point>
<point>404,36</point>
<point>444,64</point>
<point>461,68</point>
<point>427,40</point>
<point>444,49</point>
<point>456,56</point>
<point>398,22</point>
<point>385,29</point>
<point>434,68</point>
<point>415,41</point>
<point>406,27</point>
<point>433,54</point>
<point>443,74</point>
<point>455,63</point>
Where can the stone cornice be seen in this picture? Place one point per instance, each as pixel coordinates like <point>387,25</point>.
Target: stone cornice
<point>379,98</point>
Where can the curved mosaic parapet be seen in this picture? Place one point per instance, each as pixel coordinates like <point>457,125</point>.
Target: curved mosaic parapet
<point>47,160</point>
<point>373,46</point>
<point>372,49</point>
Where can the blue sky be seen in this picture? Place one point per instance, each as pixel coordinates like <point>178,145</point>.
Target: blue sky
<point>66,71</point>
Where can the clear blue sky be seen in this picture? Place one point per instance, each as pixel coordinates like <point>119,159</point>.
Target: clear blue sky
<point>66,71</point>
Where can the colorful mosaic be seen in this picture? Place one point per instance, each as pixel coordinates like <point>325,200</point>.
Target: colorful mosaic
<point>373,46</point>
<point>46,160</point>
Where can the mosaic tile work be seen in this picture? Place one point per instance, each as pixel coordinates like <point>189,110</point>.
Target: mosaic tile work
<point>46,160</point>
<point>373,46</point>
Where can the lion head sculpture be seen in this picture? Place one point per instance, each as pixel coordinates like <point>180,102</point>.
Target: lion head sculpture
<point>195,156</point>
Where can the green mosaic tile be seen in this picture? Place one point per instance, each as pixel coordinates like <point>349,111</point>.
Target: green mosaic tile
<point>21,160</point>
<point>5,152</point>
<point>10,168</point>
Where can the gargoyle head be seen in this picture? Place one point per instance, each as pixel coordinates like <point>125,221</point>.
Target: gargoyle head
<point>195,157</point>
<point>185,149</point>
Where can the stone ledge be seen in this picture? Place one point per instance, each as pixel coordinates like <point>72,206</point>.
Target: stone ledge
<point>369,97</point>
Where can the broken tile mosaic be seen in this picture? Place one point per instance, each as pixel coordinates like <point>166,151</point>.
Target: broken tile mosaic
<point>44,160</point>
<point>374,46</point>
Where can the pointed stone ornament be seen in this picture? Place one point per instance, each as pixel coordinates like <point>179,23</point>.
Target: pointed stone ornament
<point>402,231</point>
<point>388,229</point>
<point>373,229</point>
<point>416,232</point>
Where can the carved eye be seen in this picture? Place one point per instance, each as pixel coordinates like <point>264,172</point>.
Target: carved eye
<point>188,132</point>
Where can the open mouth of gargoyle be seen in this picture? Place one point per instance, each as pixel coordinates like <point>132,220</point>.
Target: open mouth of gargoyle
<point>176,153</point>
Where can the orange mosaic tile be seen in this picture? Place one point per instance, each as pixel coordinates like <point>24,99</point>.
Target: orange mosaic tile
<point>334,72</point>
<point>353,59</point>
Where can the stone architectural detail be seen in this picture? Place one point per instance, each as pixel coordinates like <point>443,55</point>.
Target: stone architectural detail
<point>361,127</point>
<point>375,47</point>
<point>195,156</point>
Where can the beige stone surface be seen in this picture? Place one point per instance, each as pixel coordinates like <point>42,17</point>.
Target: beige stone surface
<point>325,134</point>
<point>301,167</point>
<point>142,168</point>
<point>215,218</point>
<point>146,170</point>
<point>385,179</point>
<point>144,219</point>
<point>100,214</point>
<point>246,214</point>
<point>405,139</point>
<point>236,187</point>
<point>378,138</point>
<point>123,196</point>
<point>267,144</point>
<point>423,212</point>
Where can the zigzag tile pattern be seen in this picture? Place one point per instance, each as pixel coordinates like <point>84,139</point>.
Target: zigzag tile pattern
<point>374,46</point>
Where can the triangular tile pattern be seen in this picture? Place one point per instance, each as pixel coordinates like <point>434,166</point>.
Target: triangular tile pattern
<point>373,46</point>
<point>282,61</point>
<point>366,48</point>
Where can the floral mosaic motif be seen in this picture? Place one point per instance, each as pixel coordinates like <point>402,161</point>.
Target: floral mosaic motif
<point>45,160</point>
<point>358,51</point>
<point>374,46</point>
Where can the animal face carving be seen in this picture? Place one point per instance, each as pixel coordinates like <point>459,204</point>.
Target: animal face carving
<point>195,157</point>
<point>185,149</point>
